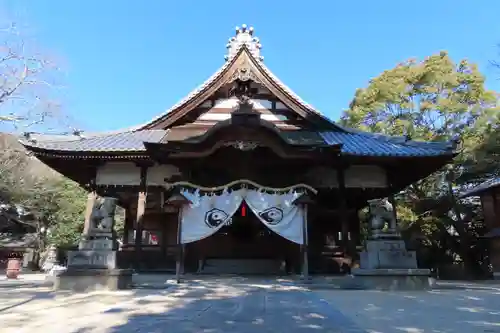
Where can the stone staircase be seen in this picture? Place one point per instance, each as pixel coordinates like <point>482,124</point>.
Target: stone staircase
<point>242,266</point>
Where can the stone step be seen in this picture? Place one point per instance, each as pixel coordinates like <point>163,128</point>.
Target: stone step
<point>346,282</point>
<point>242,266</point>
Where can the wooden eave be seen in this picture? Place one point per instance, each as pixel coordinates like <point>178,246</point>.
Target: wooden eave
<point>88,155</point>
<point>257,123</point>
<point>203,145</point>
<point>193,150</point>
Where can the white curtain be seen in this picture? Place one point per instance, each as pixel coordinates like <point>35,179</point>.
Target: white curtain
<point>278,213</point>
<point>207,213</point>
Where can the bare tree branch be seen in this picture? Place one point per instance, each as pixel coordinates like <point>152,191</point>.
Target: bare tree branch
<point>28,81</point>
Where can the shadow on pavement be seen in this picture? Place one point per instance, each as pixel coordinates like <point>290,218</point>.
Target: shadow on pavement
<point>203,307</point>
<point>249,305</point>
<point>34,297</point>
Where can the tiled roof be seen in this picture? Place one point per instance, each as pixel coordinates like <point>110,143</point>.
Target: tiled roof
<point>290,92</point>
<point>353,143</point>
<point>489,184</point>
<point>304,138</point>
<point>360,143</point>
<point>114,142</point>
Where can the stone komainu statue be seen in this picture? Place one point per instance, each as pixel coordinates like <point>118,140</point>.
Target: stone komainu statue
<point>103,214</point>
<point>381,215</point>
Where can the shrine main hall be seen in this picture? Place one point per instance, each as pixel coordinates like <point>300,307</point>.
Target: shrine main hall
<point>240,176</point>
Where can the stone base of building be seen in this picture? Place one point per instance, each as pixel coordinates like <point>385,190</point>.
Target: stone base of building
<point>392,279</point>
<point>90,279</point>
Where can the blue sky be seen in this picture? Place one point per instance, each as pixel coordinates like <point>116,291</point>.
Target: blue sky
<point>127,61</point>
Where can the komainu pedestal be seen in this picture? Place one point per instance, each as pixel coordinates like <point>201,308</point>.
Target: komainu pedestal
<point>387,264</point>
<point>387,253</point>
<point>93,266</point>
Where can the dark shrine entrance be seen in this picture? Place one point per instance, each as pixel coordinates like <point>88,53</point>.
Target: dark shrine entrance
<point>246,232</point>
<point>244,246</point>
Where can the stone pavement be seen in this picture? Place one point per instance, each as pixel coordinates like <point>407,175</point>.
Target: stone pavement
<point>209,305</point>
<point>248,305</point>
<point>456,307</point>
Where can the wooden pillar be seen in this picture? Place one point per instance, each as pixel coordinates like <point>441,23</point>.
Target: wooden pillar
<point>305,235</point>
<point>303,202</point>
<point>179,263</point>
<point>141,209</point>
<point>178,201</point>
<point>343,216</point>
<point>129,225</point>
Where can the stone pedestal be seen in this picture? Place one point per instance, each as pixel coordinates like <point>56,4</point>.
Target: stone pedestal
<point>393,278</point>
<point>98,259</point>
<point>387,253</point>
<point>90,279</point>
<point>90,270</point>
<point>94,266</point>
<point>387,265</point>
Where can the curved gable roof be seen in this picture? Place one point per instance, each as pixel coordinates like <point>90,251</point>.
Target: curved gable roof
<point>194,95</point>
<point>242,58</point>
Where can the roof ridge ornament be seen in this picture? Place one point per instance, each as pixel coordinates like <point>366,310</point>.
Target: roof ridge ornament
<point>244,36</point>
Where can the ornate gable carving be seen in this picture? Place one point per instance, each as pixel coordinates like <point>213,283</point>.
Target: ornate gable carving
<point>244,70</point>
<point>244,74</point>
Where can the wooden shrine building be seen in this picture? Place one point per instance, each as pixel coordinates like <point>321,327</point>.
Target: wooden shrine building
<point>489,194</point>
<point>242,124</point>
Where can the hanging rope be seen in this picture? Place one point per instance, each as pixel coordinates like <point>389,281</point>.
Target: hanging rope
<point>243,183</point>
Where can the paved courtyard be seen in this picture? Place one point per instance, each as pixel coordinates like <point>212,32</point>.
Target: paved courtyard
<point>241,305</point>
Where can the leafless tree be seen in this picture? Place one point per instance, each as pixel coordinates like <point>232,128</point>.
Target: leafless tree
<point>29,81</point>
<point>28,93</point>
